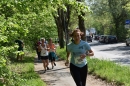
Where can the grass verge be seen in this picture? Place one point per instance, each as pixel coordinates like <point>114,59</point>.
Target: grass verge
<point>106,70</point>
<point>26,76</point>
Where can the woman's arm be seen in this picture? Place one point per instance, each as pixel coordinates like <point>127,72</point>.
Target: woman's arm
<point>67,59</point>
<point>90,53</point>
<point>39,48</point>
<point>47,47</point>
<point>54,47</point>
<point>68,54</point>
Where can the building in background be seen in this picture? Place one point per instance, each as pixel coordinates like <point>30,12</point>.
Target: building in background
<point>91,32</point>
<point>87,33</point>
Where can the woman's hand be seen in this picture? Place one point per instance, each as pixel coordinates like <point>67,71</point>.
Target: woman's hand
<point>67,63</point>
<point>82,56</point>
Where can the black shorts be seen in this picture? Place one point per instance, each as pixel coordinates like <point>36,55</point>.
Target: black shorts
<point>44,57</point>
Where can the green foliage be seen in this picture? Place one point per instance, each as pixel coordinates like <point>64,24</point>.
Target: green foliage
<point>25,19</point>
<point>61,52</point>
<point>30,20</point>
<point>127,6</point>
<point>8,77</point>
<point>109,71</point>
<point>24,73</point>
<point>100,17</point>
<point>109,17</point>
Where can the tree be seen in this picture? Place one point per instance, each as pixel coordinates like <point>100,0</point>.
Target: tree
<point>118,16</point>
<point>62,21</point>
<point>63,18</point>
<point>100,16</point>
<point>81,21</point>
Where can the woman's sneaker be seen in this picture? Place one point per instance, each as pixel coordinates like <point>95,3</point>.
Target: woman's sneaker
<point>44,71</point>
<point>52,67</point>
<point>47,68</point>
<point>55,64</point>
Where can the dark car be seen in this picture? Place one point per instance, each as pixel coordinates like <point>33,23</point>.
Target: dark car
<point>110,39</point>
<point>89,38</point>
<point>101,38</point>
<point>96,37</point>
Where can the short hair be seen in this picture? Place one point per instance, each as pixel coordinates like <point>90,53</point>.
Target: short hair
<point>76,30</point>
<point>42,39</point>
<point>50,39</point>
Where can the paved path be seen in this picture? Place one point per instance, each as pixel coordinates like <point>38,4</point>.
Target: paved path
<point>60,76</point>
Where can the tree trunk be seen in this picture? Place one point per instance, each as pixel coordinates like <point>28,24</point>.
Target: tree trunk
<point>66,20</point>
<point>62,22</point>
<point>58,21</point>
<point>82,26</point>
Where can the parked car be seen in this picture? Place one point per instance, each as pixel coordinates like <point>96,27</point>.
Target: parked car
<point>96,37</point>
<point>101,38</point>
<point>127,42</point>
<point>110,39</point>
<point>89,38</point>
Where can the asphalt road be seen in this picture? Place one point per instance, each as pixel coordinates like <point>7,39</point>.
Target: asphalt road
<point>117,52</point>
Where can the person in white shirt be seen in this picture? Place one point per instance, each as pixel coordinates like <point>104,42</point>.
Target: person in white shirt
<point>44,54</point>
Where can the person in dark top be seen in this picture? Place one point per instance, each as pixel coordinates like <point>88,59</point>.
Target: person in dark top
<point>20,49</point>
<point>37,44</point>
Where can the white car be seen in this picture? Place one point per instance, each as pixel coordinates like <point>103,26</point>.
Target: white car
<point>127,42</point>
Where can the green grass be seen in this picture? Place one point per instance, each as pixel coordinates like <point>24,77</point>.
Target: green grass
<point>61,53</point>
<point>110,71</point>
<point>106,70</point>
<point>26,76</point>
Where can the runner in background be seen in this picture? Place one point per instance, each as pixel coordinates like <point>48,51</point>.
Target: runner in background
<point>38,50</point>
<point>20,53</point>
<point>44,54</point>
<point>52,55</point>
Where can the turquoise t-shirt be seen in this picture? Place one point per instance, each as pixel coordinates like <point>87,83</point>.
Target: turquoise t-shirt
<point>76,50</point>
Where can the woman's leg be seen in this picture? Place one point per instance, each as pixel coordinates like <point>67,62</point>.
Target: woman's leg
<point>50,58</point>
<point>18,56</point>
<point>83,73</point>
<point>52,63</point>
<point>47,63</point>
<point>39,56</point>
<point>75,72</point>
<point>44,64</point>
<point>21,57</point>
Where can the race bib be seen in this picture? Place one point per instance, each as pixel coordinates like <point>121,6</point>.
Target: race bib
<point>78,60</point>
<point>43,52</point>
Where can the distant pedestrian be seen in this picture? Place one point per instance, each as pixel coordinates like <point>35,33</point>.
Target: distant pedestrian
<point>78,49</point>
<point>38,50</point>
<point>44,54</point>
<point>52,54</point>
<point>20,53</point>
